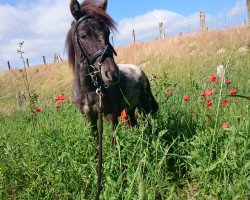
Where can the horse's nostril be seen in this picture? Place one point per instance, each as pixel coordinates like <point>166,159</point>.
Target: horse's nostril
<point>112,77</point>
<point>107,74</point>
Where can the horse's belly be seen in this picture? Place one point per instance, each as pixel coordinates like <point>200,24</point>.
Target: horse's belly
<point>130,84</point>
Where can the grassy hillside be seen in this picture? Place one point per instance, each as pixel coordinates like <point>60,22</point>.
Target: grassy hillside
<point>195,147</point>
<point>181,57</point>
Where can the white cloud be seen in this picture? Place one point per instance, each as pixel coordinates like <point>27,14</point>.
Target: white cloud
<point>238,9</point>
<point>11,20</point>
<point>235,16</point>
<point>51,18</point>
<point>42,25</point>
<point>146,24</point>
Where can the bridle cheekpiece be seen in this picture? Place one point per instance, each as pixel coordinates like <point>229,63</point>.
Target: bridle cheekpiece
<point>107,51</point>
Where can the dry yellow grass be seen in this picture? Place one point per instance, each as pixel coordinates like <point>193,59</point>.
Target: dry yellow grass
<point>184,46</point>
<point>152,55</point>
<point>46,80</point>
<point>179,56</point>
<point>43,77</point>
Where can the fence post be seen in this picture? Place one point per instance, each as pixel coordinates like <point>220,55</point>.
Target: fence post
<point>44,60</point>
<point>60,58</point>
<point>243,24</point>
<point>27,61</point>
<point>162,32</point>
<point>203,21</point>
<point>21,99</point>
<point>133,35</point>
<point>8,63</point>
<point>57,58</point>
<point>180,38</point>
<point>248,12</point>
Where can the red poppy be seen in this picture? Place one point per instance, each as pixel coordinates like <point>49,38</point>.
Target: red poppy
<point>37,110</point>
<point>169,92</point>
<point>212,78</point>
<point>207,99</point>
<point>209,92</point>
<point>60,98</point>
<point>58,106</point>
<point>224,102</point>
<point>227,82</point>
<point>209,104</point>
<point>224,125</point>
<point>186,98</point>
<point>232,92</point>
<point>203,94</point>
<point>124,116</point>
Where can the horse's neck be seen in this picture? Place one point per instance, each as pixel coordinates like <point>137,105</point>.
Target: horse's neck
<point>82,79</point>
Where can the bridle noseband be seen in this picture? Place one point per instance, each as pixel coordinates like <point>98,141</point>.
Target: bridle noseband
<point>106,52</point>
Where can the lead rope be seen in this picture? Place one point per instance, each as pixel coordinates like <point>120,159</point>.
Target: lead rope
<point>100,131</point>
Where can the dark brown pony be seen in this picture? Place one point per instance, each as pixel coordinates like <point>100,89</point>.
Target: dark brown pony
<point>91,56</point>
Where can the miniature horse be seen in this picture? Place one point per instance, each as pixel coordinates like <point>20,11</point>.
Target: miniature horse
<point>122,86</point>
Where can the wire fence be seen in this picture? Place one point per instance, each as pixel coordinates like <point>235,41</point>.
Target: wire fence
<point>200,21</point>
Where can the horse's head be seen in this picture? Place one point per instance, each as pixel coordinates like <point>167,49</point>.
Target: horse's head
<point>90,34</point>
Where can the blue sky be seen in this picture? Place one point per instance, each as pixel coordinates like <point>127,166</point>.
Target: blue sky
<point>131,8</point>
<point>43,24</point>
<point>120,9</point>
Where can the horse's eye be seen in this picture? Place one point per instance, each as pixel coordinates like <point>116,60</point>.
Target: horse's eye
<point>83,36</point>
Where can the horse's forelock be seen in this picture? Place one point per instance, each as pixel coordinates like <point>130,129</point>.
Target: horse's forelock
<point>93,9</point>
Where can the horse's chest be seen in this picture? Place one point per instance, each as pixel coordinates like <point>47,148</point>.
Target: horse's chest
<point>90,104</point>
<point>87,103</point>
<point>86,106</point>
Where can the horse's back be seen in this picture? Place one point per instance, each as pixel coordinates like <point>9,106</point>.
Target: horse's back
<point>137,87</point>
<point>131,70</point>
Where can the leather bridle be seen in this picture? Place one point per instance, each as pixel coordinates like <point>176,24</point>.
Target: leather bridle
<point>108,51</point>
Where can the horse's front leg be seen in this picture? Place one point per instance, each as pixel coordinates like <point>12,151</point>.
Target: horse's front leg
<point>132,120</point>
<point>92,120</point>
<point>113,121</point>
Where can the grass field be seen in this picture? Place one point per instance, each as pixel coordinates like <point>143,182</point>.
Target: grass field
<point>197,146</point>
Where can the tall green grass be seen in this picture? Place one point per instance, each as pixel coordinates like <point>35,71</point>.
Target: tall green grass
<point>180,153</point>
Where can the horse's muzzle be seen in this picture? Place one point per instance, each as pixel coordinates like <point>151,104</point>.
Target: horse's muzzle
<point>111,77</point>
<point>110,73</point>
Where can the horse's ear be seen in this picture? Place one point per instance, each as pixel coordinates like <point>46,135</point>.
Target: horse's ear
<point>75,9</point>
<point>104,4</point>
